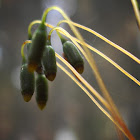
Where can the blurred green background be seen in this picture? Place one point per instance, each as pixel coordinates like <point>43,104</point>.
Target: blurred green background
<point>69,114</point>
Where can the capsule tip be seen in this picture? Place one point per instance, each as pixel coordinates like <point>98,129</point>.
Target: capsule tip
<point>41,105</point>
<point>27,97</point>
<point>79,68</point>
<point>50,76</point>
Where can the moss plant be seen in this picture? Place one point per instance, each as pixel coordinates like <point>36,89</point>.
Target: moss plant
<point>46,58</point>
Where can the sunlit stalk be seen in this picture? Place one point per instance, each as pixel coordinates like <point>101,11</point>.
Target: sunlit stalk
<point>93,49</point>
<point>116,116</point>
<point>136,11</point>
<point>111,61</point>
<point>87,85</point>
<point>91,61</point>
<point>91,97</point>
<point>105,39</point>
<point>22,48</point>
<point>94,92</point>
<point>119,119</point>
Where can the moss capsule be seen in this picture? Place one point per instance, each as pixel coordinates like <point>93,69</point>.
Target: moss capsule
<point>49,62</point>
<point>39,68</point>
<point>27,82</point>
<point>73,56</point>
<point>37,47</point>
<point>41,91</point>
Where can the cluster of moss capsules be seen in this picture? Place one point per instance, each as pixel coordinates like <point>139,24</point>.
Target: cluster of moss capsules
<point>42,60</point>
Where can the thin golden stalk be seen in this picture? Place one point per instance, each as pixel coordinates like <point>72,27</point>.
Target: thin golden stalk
<point>136,11</point>
<point>93,49</point>
<point>104,89</point>
<point>103,38</point>
<point>86,84</point>
<point>91,97</point>
<point>115,114</point>
<point>81,86</point>
<point>95,93</point>
<point>111,61</point>
<point>22,48</point>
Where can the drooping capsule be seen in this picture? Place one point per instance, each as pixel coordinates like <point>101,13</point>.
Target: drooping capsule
<point>37,47</point>
<point>73,56</point>
<point>27,82</point>
<point>39,68</point>
<point>41,90</point>
<point>49,63</point>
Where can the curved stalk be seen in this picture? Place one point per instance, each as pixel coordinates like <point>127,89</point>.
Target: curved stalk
<point>91,97</point>
<point>92,49</point>
<point>111,61</point>
<point>22,48</point>
<point>82,87</point>
<point>114,110</point>
<point>103,38</point>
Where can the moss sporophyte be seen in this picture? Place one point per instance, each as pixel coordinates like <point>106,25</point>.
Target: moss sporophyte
<point>41,58</point>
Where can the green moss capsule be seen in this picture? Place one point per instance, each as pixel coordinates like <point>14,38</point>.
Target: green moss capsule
<point>39,68</point>
<point>37,47</point>
<point>73,56</point>
<point>49,63</point>
<point>27,82</point>
<point>41,91</point>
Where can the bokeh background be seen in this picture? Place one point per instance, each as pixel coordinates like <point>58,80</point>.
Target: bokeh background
<point>69,114</point>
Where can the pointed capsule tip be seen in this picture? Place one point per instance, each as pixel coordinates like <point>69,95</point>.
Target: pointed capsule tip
<point>41,105</point>
<point>50,76</point>
<point>27,97</point>
<point>79,69</point>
